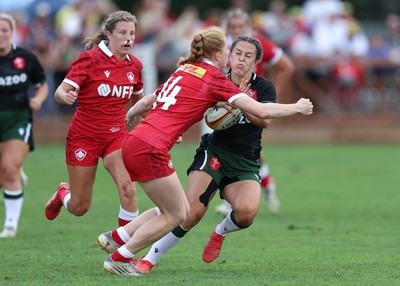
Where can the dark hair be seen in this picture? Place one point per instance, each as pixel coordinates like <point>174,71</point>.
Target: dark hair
<point>250,40</point>
<point>204,45</point>
<point>108,25</point>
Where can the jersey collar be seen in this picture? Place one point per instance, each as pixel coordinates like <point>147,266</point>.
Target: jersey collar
<point>103,46</point>
<point>252,78</point>
<point>208,61</point>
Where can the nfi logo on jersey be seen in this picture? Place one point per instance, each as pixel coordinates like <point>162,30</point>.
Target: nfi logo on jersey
<point>120,91</point>
<point>13,80</point>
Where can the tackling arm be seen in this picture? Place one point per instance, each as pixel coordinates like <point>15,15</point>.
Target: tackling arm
<point>143,105</point>
<point>273,110</point>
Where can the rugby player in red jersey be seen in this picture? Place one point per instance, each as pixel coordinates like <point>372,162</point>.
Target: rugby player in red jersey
<point>103,80</point>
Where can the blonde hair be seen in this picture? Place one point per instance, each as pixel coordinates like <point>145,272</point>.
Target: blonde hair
<point>108,25</point>
<point>204,44</point>
<point>10,20</point>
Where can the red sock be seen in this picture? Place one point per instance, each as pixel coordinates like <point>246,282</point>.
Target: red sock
<point>116,256</point>
<point>122,222</point>
<point>115,236</point>
<point>265,181</point>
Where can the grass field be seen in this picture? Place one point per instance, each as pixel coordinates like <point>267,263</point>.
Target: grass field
<point>338,225</point>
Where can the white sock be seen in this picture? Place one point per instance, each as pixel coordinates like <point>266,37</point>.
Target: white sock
<point>125,252</point>
<point>226,226</point>
<point>66,200</point>
<point>162,246</point>
<point>264,171</point>
<point>13,201</point>
<point>126,215</point>
<point>123,234</point>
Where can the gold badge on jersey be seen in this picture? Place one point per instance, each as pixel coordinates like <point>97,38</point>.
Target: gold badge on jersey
<point>193,70</point>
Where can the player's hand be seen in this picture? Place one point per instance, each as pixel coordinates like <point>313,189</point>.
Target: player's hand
<point>35,104</point>
<point>224,104</point>
<point>305,106</point>
<point>70,97</point>
<point>129,116</point>
<point>179,140</point>
<point>245,86</point>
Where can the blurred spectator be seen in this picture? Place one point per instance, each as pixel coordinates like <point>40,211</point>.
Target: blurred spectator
<point>382,91</point>
<point>348,73</point>
<point>392,24</point>
<point>68,19</point>
<point>213,17</point>
<point>154,18</point>
<point>174,41</point>
<point>329,48</point>
<point>243,5</point>
<point>277,24</point>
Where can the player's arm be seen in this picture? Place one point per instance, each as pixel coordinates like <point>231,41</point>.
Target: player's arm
<point>41,92</point>
<point>141,106</point>
<point>257,121</point>
<point>273,110</point>
<point>66,93</point>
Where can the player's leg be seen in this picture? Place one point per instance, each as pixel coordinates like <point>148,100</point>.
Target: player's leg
<point>167,193</point>
<point>76,196</point>
<point>126,189</point>
<point>244,197</point>
<point>110,241</point>
<point>199,192</point>
<point>13,153</point>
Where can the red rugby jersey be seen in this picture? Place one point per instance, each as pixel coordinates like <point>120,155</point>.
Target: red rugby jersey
<point>182,101</point>
<point>104,87</point>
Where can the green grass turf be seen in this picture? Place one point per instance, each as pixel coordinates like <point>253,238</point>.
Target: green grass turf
<point>338,225</point>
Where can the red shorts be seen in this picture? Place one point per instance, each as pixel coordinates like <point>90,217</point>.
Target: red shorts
<point>145,162</point>
<point>83,150</point>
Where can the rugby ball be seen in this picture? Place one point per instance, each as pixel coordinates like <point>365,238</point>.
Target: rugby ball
<point>219,118</point>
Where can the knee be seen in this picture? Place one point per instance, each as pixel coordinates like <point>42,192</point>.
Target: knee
<point>245,216</point>
<point>179,217</point>
<point>9,172</point>
<point>182,217</point>
<point>127,190</point>
<point>78,210</point>
<point>193,218</point>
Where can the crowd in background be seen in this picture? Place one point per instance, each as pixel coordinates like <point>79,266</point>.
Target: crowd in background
<point>340,64</point>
